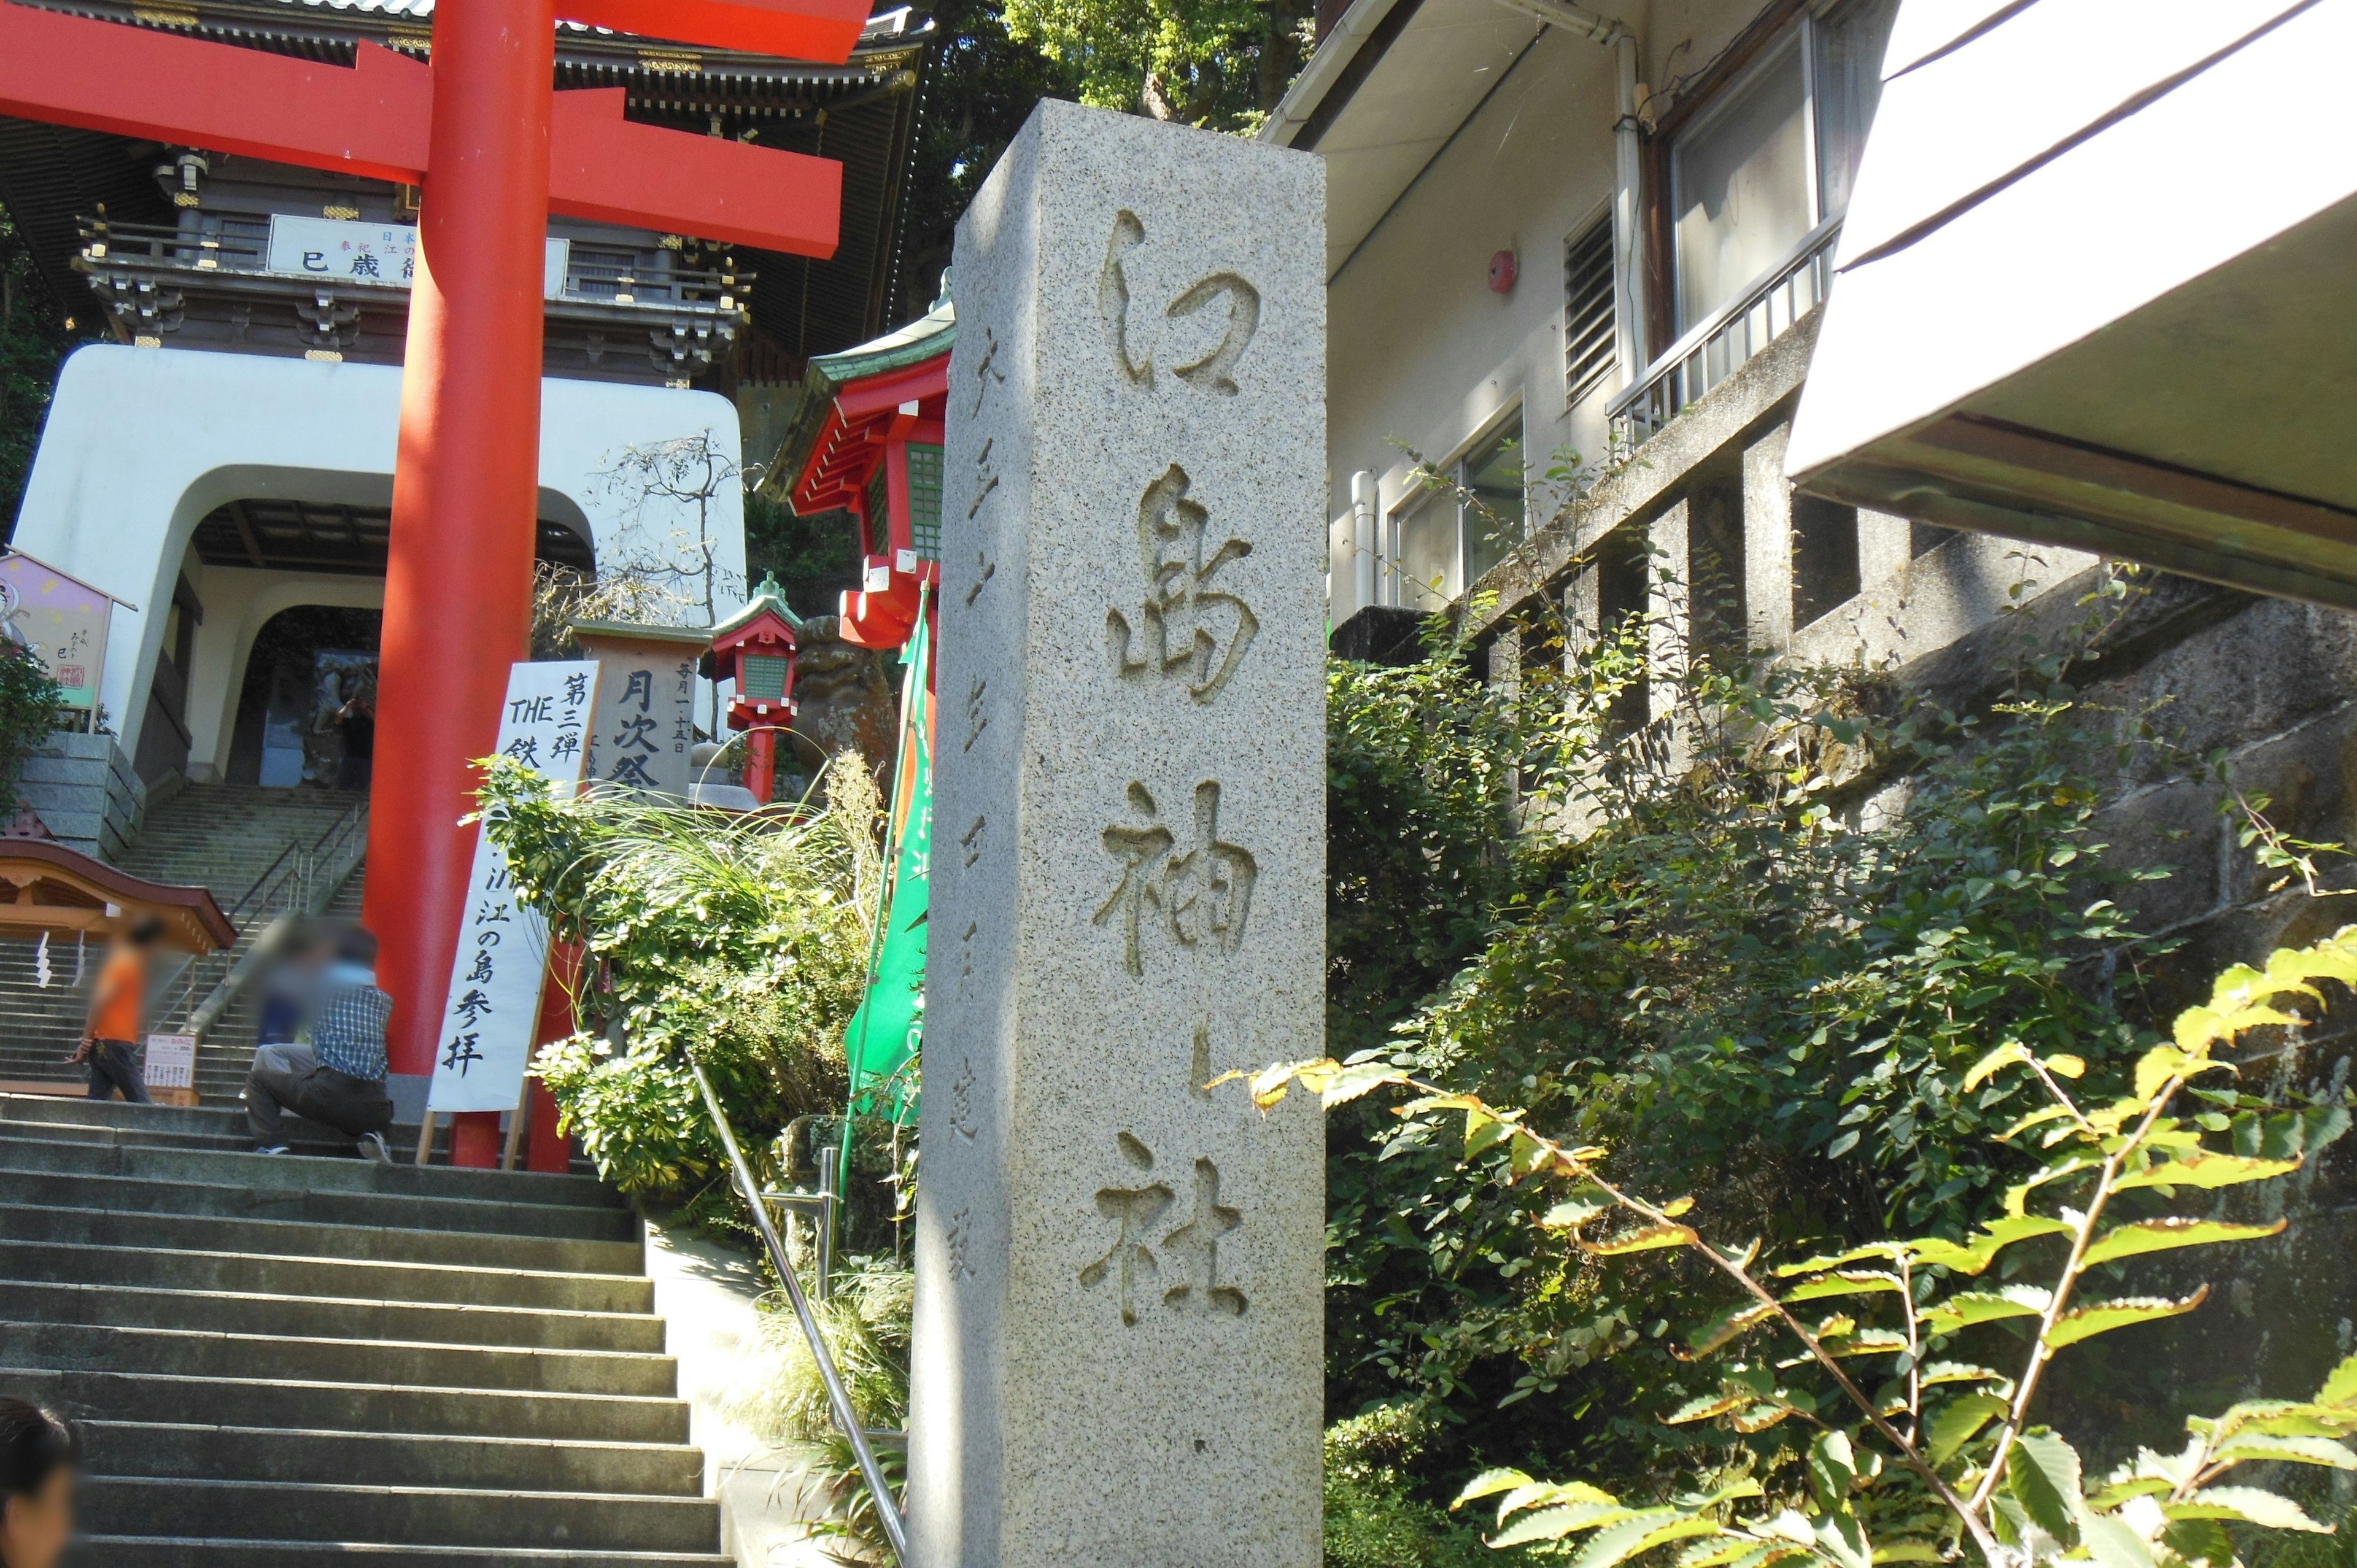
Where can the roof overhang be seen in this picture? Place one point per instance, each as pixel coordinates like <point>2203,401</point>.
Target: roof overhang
<point>2085,298</point>
<point>45,886</point>
<point>1386,91</point>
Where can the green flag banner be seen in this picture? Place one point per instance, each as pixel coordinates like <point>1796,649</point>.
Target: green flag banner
<point>888,1028</point>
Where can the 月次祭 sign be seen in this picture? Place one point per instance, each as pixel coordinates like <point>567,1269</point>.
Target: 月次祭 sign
<point>493,1002</point>
<point>62,620</point>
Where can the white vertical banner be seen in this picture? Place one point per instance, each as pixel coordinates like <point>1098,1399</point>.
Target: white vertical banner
<point>501,963</point>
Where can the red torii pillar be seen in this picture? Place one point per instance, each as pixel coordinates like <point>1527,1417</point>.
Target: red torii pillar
<point>494,149</point>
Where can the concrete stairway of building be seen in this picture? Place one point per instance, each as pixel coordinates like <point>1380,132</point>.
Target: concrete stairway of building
<point>220,836</point>
<point>287,1360</point>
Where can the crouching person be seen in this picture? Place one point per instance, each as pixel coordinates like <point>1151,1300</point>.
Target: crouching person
<point>338,1079</point>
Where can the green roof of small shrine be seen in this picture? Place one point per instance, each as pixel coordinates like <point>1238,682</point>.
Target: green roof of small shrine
<point>767,596</point>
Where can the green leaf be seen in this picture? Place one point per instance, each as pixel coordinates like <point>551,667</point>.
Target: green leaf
<point>1968,1307</point>
<point>1706,1407</point>
<point>2208,1170</point>
<point>2339,1390</point>
<point>1729,1325</point>
<point>1843,1541</point>
<point>2113,1542</point>
<point>1648,1239</point>
<point>1488,1483</point>
<point>1957,1423</point>
<point>2102,1318</point>
<point>1977,1255</point>
<point>1833,1470</point>
<point>2201,1540</point>
<point>1626,1540</point>
<point>2162,1235</point>
<point>2295,1450</point>
<point>1843,1281</point>
<point>1353,1081</point>
<point>1962,1372</point>
<point>1554,1524</point>
<point>2248,1504</point>
<point>2043,1475</point>
<point>1578,1211</point>
<point>2010,1054</point>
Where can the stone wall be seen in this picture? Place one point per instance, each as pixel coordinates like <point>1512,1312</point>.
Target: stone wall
<point>85,792</point>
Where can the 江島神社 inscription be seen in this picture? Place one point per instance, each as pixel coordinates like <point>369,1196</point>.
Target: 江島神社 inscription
<point>1118,1329</point>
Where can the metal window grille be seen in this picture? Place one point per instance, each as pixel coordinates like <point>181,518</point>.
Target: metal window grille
<point>1587,309</point>
<point>925,500</point>
<point>879,512</point>
<point>764,675</point>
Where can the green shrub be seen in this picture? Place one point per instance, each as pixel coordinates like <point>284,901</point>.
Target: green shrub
<point>1373,1518</point>
<point>1653,905</point>
<point>742,941</point>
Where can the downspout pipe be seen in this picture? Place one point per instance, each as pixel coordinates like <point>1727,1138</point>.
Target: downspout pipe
<point>1365,548</point>
<point>1628,276</point>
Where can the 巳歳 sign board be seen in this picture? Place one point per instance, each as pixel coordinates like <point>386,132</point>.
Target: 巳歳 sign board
<point>352,251</point>
<point>493,1002</point>
<point>63,622</point>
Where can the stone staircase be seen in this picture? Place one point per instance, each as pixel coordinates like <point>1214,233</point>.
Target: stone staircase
<point>290,1360</point>
<point>220,836</point>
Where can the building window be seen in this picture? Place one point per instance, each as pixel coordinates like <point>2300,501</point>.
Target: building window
<point>1587,309</point>
<point>1772,158</point>
<point>1466,523</point>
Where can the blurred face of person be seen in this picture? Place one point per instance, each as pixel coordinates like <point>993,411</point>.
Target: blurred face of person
<point>33,1529</point>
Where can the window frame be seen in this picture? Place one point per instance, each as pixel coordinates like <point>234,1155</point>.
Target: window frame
<point>1448,492</point>
<point>1753,50</point>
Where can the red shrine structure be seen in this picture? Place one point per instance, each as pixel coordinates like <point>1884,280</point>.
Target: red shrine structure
<point>492,150</point>
<point>867,441</point>
<point>755,648</point>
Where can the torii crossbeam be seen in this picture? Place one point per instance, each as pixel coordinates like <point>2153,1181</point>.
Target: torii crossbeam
<point>494,149</point>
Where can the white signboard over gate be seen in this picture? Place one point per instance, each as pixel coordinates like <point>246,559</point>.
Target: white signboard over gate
<point>493,1002</point>
<point>348,252</point>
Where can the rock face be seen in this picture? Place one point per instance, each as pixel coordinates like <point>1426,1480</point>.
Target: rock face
<point>1119,1268</point>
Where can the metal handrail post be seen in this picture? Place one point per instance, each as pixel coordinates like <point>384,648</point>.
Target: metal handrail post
<point>838,1398</point>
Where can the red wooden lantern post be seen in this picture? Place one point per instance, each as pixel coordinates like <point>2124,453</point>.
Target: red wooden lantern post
<point>755,648</point>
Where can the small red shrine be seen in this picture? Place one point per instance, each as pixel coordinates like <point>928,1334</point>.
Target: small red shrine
<point>755,648</point>
<point>868,440</point>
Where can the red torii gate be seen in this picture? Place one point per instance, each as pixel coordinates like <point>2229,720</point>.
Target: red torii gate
<point>495,149</point>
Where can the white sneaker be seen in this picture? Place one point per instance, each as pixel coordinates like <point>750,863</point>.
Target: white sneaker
<point>373,1147</point>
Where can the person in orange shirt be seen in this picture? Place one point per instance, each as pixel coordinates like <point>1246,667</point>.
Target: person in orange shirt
<point>118,1012</point>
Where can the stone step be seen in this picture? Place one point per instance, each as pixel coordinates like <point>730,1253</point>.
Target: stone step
<point>313,1512</point>
<point>504,1254</point>
<point>213,1162</point>
<point>122,1249</point>
<point>212,1354</point>
<point>326,1317</point>
<point>271,1200</point>
<point>181,1552</point>
<point>255,1400</point>
<point>380,1459</point>
<point>306,1140</point>
<point>538,1194</point>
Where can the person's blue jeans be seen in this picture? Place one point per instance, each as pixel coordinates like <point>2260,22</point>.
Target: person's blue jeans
<point>114,1064</point>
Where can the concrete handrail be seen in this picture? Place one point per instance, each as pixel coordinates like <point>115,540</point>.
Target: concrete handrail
<point>243,973</point>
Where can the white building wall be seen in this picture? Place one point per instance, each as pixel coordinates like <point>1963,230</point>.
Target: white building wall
<point>140,444</point>
<point>1423,356</point>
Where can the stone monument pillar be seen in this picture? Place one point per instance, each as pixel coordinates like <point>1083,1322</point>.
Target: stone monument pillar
<point>1119,1326</point>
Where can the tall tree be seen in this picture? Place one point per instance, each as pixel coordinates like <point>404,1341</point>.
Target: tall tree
<point>1220,64</point>
<point>35,334</point>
